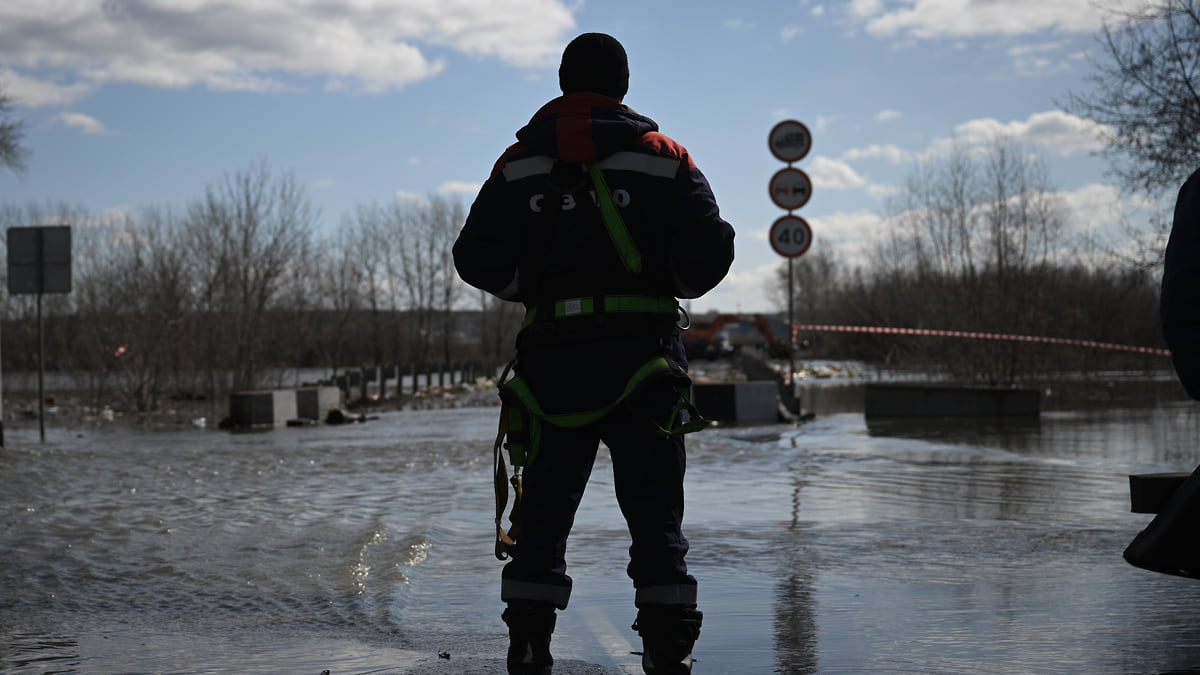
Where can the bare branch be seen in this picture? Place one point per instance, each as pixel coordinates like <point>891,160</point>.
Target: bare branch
<point>12,154</point>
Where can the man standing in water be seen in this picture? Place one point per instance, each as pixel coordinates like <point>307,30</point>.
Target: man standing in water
<point>597,223</point>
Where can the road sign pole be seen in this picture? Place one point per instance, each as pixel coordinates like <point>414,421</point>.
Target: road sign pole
<point>790,236</point>
<point>791,337</point>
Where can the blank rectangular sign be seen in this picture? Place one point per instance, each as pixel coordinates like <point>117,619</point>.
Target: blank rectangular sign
<point>39,259</point>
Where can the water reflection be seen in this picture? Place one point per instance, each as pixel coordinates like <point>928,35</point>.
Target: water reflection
<point>47,653</point>
<point>1009,433</point>
<point>795,606</point>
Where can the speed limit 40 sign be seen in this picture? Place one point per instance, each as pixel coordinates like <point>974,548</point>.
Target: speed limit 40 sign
<point>791,236</point>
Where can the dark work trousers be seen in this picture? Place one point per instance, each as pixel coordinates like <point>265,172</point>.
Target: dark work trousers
<point>648,475</point>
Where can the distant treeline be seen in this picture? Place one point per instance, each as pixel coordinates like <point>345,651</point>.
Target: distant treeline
<point>980,242</point>
<point>206,299</point>
<point>1069,301</point>
<point>237,284</point>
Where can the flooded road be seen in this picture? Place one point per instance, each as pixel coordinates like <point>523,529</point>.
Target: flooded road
<point>839,546</point>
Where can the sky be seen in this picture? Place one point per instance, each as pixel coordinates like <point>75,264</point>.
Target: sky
<point>130,104</point>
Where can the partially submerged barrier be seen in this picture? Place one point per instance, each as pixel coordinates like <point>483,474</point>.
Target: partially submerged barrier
<point>275,408</point>
<point>748,402</point>
<point>1150,492</point>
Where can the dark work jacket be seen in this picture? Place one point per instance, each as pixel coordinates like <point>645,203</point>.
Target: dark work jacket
<point>1180,301</point>
<point>507,248</point>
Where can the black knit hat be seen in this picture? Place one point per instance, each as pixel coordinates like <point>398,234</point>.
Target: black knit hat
<point>594,62</point>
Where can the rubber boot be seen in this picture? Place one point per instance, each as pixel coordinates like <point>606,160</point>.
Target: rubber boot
<point>529,627</point>
<point>668,634</point>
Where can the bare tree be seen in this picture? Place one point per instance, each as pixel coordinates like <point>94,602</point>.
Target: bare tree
<point>1147,91</point>
<point>974,246</point>
<point>423,267</point>
<point>499,321</point>
<point>12,154</point>
<point>372,249</point>
<point>134,292</point>
<point>816,277</point>
<point>446,219</point>
<point>244,235</point>
<point>340,288</point>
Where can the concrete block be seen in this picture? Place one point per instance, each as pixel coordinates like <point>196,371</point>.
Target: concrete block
<point>262,409</point>
<point>748,402</point>
<point>889,400</point>
<point>314,403</point>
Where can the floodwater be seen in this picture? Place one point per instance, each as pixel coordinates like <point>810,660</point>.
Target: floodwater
<point>839,546</point>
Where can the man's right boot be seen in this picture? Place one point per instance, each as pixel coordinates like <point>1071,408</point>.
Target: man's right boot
<point>668,634</point>
<point>530,624</point>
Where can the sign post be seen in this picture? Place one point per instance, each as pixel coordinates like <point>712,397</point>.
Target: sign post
<point>39,262</point>
<point>790,236</point>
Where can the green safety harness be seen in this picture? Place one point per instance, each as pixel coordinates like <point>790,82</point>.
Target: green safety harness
<point>522,416</point>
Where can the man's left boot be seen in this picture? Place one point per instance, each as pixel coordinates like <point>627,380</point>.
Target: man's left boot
<point>668,634</point>
<point>530,625</point>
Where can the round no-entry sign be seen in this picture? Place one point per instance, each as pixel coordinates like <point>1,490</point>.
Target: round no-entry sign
<point>790,141</point>
<point>790,188</point>
<point>791,236</point>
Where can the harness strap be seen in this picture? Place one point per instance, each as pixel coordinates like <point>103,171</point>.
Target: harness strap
<point>659,366</point>
<point>630,257</point>
<point>620,304</point>
<point>517,400</point>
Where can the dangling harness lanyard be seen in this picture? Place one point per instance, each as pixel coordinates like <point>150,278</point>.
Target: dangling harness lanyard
<point>506,541</point>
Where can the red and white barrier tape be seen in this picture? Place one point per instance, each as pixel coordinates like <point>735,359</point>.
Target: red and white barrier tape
<point>821,328</point>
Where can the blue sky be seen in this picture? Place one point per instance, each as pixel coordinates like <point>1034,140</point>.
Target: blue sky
<point>139,103</point>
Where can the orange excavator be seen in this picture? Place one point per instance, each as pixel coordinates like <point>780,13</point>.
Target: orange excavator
<point>726,334</point>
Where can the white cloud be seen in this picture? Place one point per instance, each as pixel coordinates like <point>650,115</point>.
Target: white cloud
<point>941,18</point>
<point>824,122</point>
<point>742,290</point>
<point>369,45</point>
<point>460,187</point>
<point>891,153</point>
<point>849,226</point>
<point>888,115</point>
<point>866,8</point>
<point>1098,206</point>
<point>833,174</point>
<point>32,92</point>
<point>1091,207</point>
<point>854,233</point>
<point>86,123</point>
<point>882,191</point>
<point>787,33</point>
<point>409,197</point>
<point>1059,131</point>
<point>1040,60</point>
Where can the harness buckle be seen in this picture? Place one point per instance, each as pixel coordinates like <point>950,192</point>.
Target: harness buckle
<point>684,321</point>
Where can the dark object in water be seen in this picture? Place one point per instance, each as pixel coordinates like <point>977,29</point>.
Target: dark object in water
<point>340,416</point>
<point>1170,544</point>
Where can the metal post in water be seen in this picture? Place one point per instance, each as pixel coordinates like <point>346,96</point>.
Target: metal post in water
<point>41,373</point>
<point>1,409</point>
